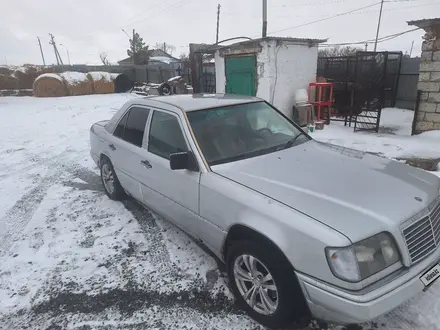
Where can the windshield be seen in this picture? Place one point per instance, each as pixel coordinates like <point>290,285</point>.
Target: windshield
<point>242,131</point>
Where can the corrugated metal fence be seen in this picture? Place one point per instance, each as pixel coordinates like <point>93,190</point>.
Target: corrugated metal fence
<point>408,79</point>
<point>151,73</point>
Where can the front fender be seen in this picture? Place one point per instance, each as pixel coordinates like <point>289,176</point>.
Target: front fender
<point>301,238</point>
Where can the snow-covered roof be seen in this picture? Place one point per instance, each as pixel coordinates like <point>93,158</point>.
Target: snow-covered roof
<point>152,53</point>
<point>425,22</point>
<point>308,41</point>
<point>163,59</point>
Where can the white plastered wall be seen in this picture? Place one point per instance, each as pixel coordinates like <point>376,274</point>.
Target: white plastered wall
<point>282,68</point>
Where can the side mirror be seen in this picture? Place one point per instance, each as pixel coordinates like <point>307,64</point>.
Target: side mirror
<point>183,161</point>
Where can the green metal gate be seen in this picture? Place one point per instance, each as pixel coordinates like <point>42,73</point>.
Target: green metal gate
<point>240,75</point>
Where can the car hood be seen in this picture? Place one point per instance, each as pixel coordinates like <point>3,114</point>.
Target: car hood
<point>356,193</point>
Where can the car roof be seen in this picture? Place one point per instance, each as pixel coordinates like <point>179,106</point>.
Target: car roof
<point>192,102</point>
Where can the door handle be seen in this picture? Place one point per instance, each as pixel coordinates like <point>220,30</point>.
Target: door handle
<point>146,163</point>
<point>112,146</point>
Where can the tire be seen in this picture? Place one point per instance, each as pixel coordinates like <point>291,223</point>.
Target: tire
<point>165,89</point>
<point>110,181</point>
<point>288,305</point>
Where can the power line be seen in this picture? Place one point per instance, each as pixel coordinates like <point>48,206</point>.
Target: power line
<point>144,12</point>
<point>354,11</point>
<point>322,3</point>
<point>326,18</point>
<point>171,8</point>
<point>382,39</point>
<point>400,8</point>
<point>311,4</point>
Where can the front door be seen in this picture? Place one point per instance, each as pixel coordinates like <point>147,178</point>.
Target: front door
<point>240,75</point>
<point>174,194</point>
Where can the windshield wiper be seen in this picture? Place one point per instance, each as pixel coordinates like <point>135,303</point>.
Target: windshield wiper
<point>292,141</point>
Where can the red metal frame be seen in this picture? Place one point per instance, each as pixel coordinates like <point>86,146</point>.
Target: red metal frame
<point>319,102</point>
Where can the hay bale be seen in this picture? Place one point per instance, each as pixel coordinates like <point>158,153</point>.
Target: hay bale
<point>26,75</point>
<point>8,82</point>
<point>123,83</point>
<point>113,76</point>
<point>5,70</point>
<point>49,85</point>
<point>102,82</point>
<point>76,83</point>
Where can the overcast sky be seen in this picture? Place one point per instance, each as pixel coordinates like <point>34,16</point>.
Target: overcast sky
<point>88,27</point>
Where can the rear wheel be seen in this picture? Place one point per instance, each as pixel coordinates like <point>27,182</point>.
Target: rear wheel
<point>265,286</point>
<point>112,187</point>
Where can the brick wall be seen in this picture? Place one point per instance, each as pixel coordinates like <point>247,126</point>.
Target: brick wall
<point>428,117</point>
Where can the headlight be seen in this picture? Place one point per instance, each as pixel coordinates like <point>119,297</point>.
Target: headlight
<point>363,259</point>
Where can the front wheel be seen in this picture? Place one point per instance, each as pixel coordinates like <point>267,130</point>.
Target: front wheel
<point>265,286</point>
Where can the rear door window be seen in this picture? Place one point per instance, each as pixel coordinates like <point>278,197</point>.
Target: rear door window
<point>131,128</point>
<point>120,128</point>
<point>135,127</point>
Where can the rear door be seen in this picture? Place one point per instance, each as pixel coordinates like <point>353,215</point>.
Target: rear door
<point>174,194</point>
<point>126,150</point>
<point>240,75</point>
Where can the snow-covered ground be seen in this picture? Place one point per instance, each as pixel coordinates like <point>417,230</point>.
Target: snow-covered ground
<point>70,258</point>
<point>393,141</point>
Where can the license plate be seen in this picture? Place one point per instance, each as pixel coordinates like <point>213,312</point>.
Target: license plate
<point>431,275</point>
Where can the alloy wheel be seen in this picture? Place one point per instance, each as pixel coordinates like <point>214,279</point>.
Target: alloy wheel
<point>256,284</point>
<point>108,178</point>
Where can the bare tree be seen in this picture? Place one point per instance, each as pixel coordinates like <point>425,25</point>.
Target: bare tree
<point>184,58</point>
<point>167,48</point>
<point>338,51</point>
<point>103,57</point>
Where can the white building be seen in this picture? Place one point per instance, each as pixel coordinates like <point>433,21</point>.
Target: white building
<point>271,68</point>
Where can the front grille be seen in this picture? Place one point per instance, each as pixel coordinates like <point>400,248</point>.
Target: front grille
<point>435,220</point>
<point>423,236</point>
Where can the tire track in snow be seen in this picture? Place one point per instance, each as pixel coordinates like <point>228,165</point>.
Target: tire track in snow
<point>159,254</point>
<point>17,218</point>
<point>19,215</point>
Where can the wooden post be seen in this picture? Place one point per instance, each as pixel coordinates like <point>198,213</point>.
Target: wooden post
<point>195,58</point>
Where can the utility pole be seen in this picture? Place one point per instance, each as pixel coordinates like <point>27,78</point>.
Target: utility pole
<point>55,49</point>
<point>133,48</point>
<point>218,23</point>
<point>366,46</point>
<point>378,25</point>
<point>164,46</point>
<point>68,54</point>
<point>264,18</point>
<point>41,50</point>
<point>412,46</point>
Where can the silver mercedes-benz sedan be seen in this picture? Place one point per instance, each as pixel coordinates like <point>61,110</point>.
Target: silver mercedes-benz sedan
<point>304,228</point>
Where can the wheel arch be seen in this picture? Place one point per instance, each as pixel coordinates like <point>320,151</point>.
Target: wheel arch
<point>240,232</point>
<point>102,156</point>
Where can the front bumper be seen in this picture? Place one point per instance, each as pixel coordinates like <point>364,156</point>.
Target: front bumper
<point>339,306</point>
